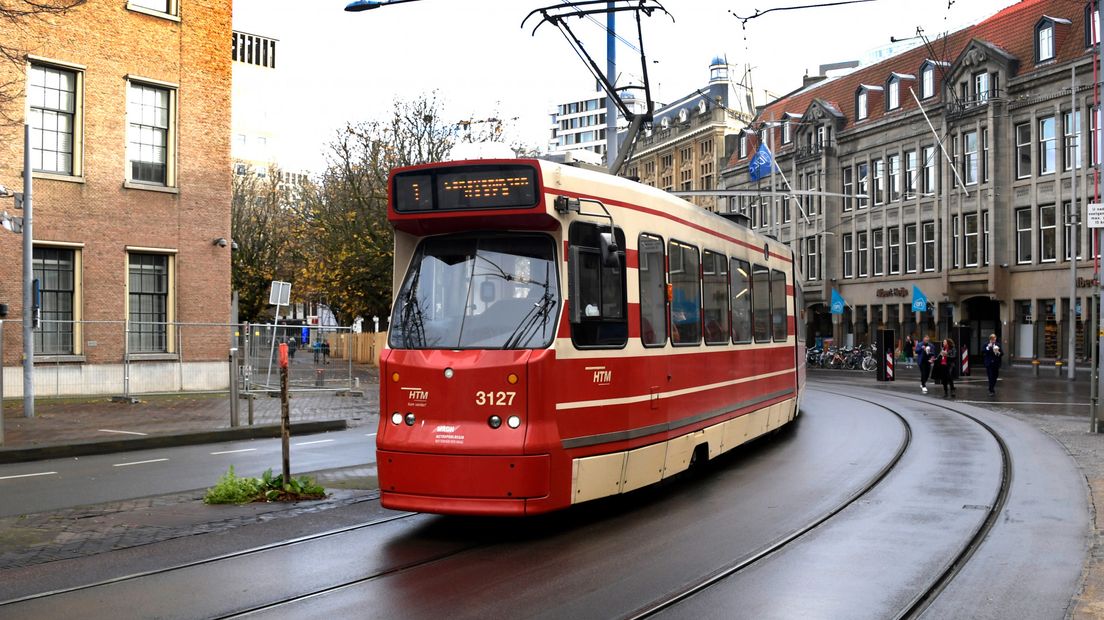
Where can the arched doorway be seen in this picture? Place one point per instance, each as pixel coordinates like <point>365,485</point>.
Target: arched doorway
<point>819,322</point>
<point>981,317</point>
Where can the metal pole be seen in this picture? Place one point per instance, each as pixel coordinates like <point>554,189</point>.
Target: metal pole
<point>1074,235</point>
<point>1094,393</point>
<point>28,274</point>
<point>1093,428</point>
<point>234,387</point>
<point>1,382</point>
<point>611,76</point>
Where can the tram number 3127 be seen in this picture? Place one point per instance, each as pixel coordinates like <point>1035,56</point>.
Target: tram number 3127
<point>494,399</point>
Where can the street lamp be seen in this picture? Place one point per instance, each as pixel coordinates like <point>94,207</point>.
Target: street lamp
<point>367,5</point>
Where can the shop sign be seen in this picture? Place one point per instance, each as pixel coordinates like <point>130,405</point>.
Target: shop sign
<point>892,292</point>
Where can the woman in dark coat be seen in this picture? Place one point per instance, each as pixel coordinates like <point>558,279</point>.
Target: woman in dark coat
<point>945,367</point>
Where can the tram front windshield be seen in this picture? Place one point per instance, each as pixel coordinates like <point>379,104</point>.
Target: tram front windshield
<point>489,292</point>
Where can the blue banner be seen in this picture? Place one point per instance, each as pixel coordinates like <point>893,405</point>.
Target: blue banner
<point>761,163</point>
<point>919,301</point>
<point>837,302</point>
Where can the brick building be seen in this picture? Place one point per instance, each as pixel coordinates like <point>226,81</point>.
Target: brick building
<point>979,225</point>
<point>130,114</point>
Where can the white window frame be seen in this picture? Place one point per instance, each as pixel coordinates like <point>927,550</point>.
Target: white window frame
<point>1044,41</point>
<point>956,243</point>
<point>911,175</point>
<point>972,235</point>
<point>1023,150</point>
<point>970,167</point>
<point>1048,145</point>
<point>929,246</point>
<point>877,254</point>
<point>1024,236</point>
<point>927,81</point>
<point>1048,231</point>
<point>894,181</point>
<point>894,250</point>
<point>848,255</point>
<point>893,93</point>
<point>169,138</point>
<point>1071,141</point>
<point>911,248</point>
<point>862,253</point>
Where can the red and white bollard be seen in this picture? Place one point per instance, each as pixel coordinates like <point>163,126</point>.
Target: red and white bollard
<point>965,362</point>
<point>889,366</point>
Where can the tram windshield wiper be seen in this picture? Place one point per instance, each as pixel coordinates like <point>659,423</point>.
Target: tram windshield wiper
<point>537,316</point>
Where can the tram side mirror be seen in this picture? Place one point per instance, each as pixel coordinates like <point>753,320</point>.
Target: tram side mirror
<point>609,250</point>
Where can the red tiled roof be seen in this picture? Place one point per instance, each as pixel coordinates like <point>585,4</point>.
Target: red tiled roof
<point>1012,30</point>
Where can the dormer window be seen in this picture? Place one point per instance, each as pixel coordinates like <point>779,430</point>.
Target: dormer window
<point>743,144</point>
<point>684,115</point>
<point>927,81</point>
<point>1045,37</point>
<point>893,93</point>
<point>701,107</point>
<point>665,122</point>
<point>1092,25</point>
<point>787,132</point>
<point>860,104</point>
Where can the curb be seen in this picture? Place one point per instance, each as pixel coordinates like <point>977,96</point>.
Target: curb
<point>88,448</point>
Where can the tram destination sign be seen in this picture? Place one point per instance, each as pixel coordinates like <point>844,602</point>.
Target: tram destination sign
<point>492,186</point>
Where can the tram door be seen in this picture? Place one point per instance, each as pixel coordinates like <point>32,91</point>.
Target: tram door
<point>652,270</point>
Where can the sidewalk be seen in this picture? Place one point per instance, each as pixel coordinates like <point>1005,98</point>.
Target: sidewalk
<point>75,427</point>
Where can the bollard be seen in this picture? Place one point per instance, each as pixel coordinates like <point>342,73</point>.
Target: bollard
<point>1035,367</point>
<point>319,377</point>
<point>1058,368</point>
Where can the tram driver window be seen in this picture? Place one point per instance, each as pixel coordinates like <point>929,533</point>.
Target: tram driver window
<point>597,292</point>
<point>685,277</point>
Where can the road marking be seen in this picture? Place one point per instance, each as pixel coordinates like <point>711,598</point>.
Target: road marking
<point>106,430</point>
<point>370,435</point>
<point>234,451</point>
<point>139,462</point>
<point>44,473</point>
<point>307,443</point>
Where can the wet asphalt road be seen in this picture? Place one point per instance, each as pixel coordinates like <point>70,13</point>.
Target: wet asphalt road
<point>614,558</point>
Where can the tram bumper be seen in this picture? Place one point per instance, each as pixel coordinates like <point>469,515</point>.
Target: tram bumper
<point>460,483</point>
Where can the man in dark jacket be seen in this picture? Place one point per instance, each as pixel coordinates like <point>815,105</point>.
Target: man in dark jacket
<point>925,350</point>
<point>993,355</point>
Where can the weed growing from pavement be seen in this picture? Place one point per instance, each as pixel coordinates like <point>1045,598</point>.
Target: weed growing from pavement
<point>234,489</point>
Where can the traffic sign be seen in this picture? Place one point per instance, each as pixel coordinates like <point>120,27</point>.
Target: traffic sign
<point>280,295</point>
<point>1095,215</point>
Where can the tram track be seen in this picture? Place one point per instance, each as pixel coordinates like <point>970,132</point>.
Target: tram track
<point>922,600</point>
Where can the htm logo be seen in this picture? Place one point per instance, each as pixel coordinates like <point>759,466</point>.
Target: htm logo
<point>416,394</point>
<point>601,375</point>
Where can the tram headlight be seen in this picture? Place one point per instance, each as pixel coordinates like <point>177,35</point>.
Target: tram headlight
<point>448,373</point>
<point>494,421</point>
<point>513,421</point>
<point>396,418</point>
<point>410,419</point>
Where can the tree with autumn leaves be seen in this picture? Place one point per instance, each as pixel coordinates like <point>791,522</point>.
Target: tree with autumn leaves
<point>333,240</point>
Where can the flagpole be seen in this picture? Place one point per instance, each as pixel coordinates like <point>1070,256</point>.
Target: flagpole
<point>770,149</point>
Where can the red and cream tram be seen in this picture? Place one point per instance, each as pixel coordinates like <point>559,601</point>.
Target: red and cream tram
<point>560,335</point>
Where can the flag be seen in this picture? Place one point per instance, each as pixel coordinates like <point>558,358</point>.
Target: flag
<point>837,302</point>
<point>919,301</point>
<point>761,163</point>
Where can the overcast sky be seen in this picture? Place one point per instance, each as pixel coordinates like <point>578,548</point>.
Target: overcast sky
<point>335,67</point>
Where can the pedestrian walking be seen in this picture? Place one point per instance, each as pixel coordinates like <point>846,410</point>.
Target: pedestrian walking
<point>946,367</point>
<point>292,348</point>
<point>993,355</point>
<point>910,348</point>
<point>925,355</point>
<point>325,351</point>
<point>316,346</point>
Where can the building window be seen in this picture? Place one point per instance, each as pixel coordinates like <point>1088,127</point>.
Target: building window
<point>149,134</point>
<point>261,51</point>
<point>52,95</point>
<point>848,256</point>
<point>1047,241</point>
<point>1023,236</point>
<point>893,93</point>
<point>1044,41</point>
<point>787,132</point>
<point>956,241</point>
<point>1023,150</point>
<point>1048,146</point>
<point>1071,139</point>
<point>985,155</point>
<point>894,250</point>
<point>743,145</point>
<point>55,271</point>
<point>879,182</point>
<point>894,177</point>
<point>910,248</point>
<point>863,193</point>
<point>981,87</point>
<point>1092,24</point>
<point>848,188</point>
<point>930,170</point>
<point>985,238</point>
<point>879,251</point>
<point>910,174</point>
<point>970,224</point>
<point>148,303</point>
<point>863,254</point>
<point>970,158</point>
<point>929,246</point>
<point>1093,112</point>
<point>167,7</point>
<point>812,260</point>
<point>1072,239</point>
<point>927,81</point>
<point>860,104</point>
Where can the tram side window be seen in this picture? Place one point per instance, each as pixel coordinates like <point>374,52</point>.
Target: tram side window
<point>741,301</point>
<point>596,292</point>
<point>799,311</point>
<point>653,291</point>
<point>778,306</point>
<point>685,269</point>
<point>760,303</point>
<point>715,297</point>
